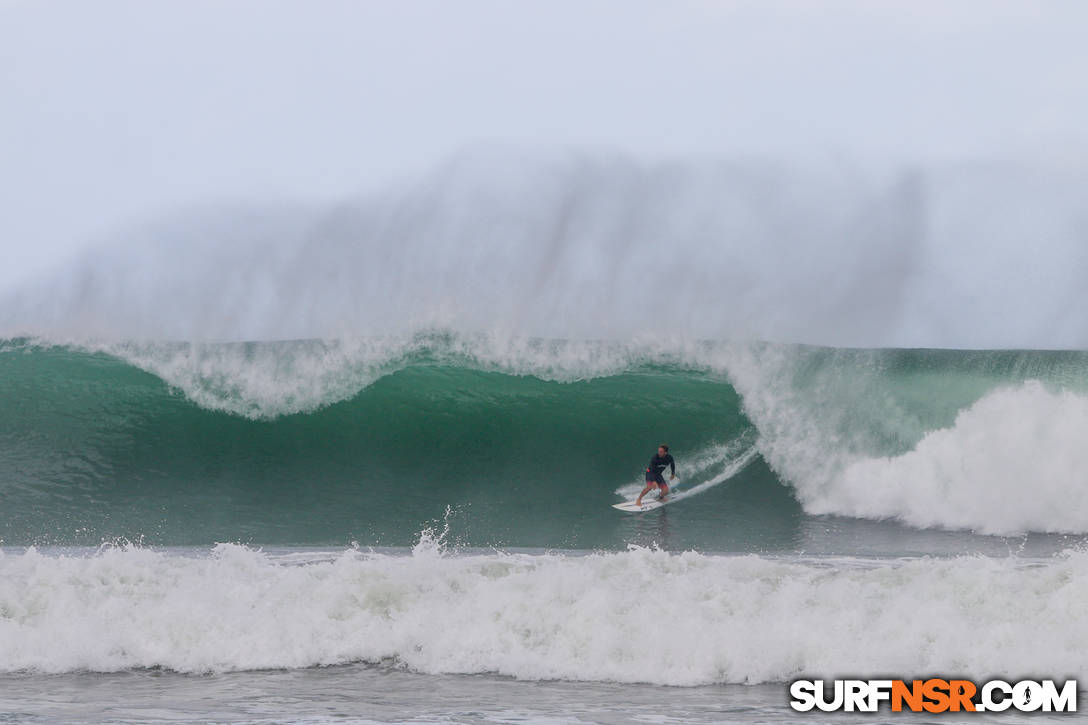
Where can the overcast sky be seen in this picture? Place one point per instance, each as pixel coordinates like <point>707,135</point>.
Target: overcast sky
<point>113,114</point>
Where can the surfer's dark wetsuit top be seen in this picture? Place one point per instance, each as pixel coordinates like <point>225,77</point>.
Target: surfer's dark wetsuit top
<point>658,464</point>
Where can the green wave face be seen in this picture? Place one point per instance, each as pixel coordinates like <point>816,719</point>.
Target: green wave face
<point>306,444</point>
<point>94,449</point>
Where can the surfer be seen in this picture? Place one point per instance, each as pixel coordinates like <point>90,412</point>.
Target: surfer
<point>655,474</point>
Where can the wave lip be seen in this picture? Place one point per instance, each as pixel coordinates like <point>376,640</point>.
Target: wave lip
<point>269,379</point>
<point>635,616</point>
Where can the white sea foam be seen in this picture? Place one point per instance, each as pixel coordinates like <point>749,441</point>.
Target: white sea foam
<point>594,617</point>
<point>1010,461</point>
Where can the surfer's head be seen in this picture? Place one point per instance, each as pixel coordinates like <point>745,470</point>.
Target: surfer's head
<point>662,449</point>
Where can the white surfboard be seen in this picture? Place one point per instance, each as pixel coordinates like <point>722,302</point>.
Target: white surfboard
<point>649,503</point>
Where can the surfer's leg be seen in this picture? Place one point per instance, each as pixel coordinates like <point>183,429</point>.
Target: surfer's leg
<point>638,501</point>
<point>664,489</point>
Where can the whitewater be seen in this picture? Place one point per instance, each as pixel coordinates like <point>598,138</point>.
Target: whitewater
<point>586,617</point>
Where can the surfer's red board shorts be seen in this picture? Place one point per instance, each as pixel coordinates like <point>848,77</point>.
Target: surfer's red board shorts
<point>652,477</point>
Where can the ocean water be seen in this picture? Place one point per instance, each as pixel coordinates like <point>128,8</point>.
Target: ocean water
<point>418,528</point>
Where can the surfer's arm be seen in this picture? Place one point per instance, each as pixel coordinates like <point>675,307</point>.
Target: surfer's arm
<point>672,466</point>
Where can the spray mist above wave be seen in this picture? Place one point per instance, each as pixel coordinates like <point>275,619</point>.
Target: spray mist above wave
<point>602,249</point>
<point>745,619</point>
